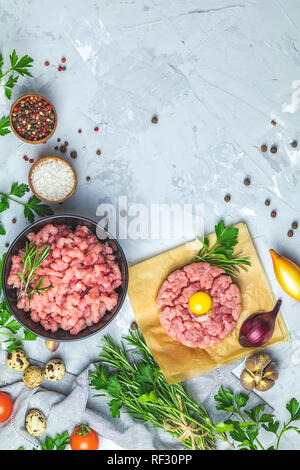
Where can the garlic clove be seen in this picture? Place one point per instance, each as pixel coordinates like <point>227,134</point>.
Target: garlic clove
<point>247,380</point>
<point>52,346</point>
<point>271,372</point>
<point>264,385</point>
<point>257,362</point>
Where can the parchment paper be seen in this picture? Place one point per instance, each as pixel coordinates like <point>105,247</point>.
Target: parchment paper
<point>178,362</point>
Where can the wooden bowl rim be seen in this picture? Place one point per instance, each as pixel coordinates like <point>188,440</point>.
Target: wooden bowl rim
<point>32,187</point>
<point>22,138</point>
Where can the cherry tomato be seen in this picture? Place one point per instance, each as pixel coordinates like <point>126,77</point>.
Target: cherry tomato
<point>84,438</point>
<point>6,407</point>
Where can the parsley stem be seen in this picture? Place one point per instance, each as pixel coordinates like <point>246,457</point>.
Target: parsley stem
<point>12,199</point>
<point>285,426</point>
<point>11,336</point>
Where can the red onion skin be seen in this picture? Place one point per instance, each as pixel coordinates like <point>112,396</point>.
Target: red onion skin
<point>258,329</point>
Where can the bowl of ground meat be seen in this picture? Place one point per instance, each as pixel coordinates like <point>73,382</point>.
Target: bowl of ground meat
<point>86,269</point>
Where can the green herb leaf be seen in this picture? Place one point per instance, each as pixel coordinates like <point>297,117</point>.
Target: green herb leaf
<point>35,205</point>
<point>115,406</point>
<point>272,426</point>
<point>4,125</point>
<point>62,440</point>
<point>1,63</point>
<point>294,409</point>
<point>2,230</point>
<point>4,204</point>
<point>241,400</point>
<point>9,85</point>
<point>13,58</point>
<point>21,66</point>
<point>18,189</point>
<point>113,386</point>
<point>145,373</point>
<point>13,326</point>
<point>2,259</point>
<point>222,253</point>
<point>148,397</point>
<point>29,336</point>
<point>225,399</point>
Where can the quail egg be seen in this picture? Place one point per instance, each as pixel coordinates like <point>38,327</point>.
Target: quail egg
<point>36,423</point>
<point>55,370</point>
<point>17,360</point>
<point>33,376</point>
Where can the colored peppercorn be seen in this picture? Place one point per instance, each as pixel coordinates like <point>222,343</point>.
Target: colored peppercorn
<point>273,122</point>
<point>290,233</point>
<point>273,149</point>
<point>227,198</point>
<point>59,68</point>
<point>63,60</point>
<point>73,154</point>
<point>31,160</point>
<point>88,178</point>
<point>134,325</point>
<point>98,152</point>
<point>14,220</point>
<point>267,202</point>
<point>25,158</point>
<point>154,120</point>
<point>247,182</point>
<point>295,225</point>
<point>47,63</point>
<point>96,129</point>
<point>273,214</point>
<point>33,118</point>
<point>294,144</point>
<point>264,148</point>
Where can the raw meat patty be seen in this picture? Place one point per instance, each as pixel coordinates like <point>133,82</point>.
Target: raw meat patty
<point>83,273</point>
<point>204,330</point>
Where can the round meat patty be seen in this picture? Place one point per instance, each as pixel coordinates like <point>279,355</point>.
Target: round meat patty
<point>199,331</point>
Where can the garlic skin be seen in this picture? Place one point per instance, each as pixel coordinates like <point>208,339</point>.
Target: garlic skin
<point>52,346</point>
<point>260,373</point>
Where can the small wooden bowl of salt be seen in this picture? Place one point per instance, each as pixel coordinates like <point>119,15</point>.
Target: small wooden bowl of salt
<point>52,180</point>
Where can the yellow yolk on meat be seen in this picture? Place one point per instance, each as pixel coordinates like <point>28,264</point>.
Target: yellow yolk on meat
<point>200,303</point>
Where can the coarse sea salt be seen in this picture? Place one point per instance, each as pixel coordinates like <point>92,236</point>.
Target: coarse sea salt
<point>52,179</point>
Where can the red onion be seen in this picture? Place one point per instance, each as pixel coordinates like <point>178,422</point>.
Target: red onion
<point>258,328</point>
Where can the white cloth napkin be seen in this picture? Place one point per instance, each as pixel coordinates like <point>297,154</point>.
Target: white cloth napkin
<point>66,404</point>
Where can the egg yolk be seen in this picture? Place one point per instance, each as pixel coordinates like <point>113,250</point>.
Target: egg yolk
<point>200,303</point>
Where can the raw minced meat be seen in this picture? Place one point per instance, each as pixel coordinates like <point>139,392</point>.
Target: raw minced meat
<point>199,331</point>
<point>84,275</point>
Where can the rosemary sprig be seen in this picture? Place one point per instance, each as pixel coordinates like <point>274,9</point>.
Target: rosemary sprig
<point>31,262</point>
<point>221,254</point>
<point>134,381</point>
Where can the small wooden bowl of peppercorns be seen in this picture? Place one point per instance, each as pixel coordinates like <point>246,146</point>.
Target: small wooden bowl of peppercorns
<point>33,119</point>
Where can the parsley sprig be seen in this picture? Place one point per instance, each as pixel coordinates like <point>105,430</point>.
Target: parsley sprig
<point>60,442</point>
<point>12,330</point>
<point>4,125</point>
<point>17,66</point>
<point>222,254</point>
<point>245,430</point>
<point>32,207</point>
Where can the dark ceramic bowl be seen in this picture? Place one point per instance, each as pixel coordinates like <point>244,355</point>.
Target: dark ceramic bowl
<point>10,294</point>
